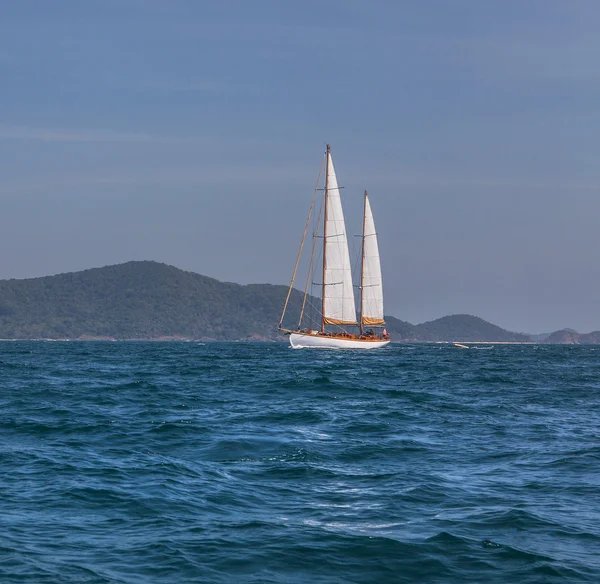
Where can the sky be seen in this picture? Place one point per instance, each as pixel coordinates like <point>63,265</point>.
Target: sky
<point>191,132</point>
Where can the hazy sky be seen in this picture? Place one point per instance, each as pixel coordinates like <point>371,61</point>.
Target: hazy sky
<point>191,132</point>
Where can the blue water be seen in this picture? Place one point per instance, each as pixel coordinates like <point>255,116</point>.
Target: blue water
<point>181,462</point>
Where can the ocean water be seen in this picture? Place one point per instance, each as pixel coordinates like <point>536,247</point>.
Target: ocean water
<point>135,463</point>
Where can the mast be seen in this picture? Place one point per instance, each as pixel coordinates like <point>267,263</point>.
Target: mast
<point>325,240</point>
<point>362,265</point>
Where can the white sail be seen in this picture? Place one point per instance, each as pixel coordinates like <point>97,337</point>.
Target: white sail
<point>372,288</point>
<point>339,305</point>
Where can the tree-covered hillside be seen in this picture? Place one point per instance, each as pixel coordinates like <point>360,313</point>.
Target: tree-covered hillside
<point>148,300</point>
<point>465,327</point>
<point>140,300</point>
<point>571,337</point>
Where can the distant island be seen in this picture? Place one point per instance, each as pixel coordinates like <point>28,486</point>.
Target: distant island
<point>150,300</point>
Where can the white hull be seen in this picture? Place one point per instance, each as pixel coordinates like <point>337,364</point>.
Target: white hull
<point>302,341</point>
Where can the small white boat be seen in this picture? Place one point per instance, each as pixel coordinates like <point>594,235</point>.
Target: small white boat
<point>338,310</point>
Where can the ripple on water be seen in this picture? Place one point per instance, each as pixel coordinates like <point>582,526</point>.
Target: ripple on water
<point>217,462</point>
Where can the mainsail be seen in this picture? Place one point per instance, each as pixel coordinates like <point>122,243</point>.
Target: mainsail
<point>338,293</point>
<point>372,289</point>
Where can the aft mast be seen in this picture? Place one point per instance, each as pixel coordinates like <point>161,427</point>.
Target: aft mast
<point>362,266</point>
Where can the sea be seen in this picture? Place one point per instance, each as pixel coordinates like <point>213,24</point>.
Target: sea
<point>173,462</point>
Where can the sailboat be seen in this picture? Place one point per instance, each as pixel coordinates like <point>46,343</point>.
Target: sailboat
<point>338,310</point>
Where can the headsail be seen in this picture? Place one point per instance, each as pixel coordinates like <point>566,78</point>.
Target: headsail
<point>338,303</point>
<point>372,288</point>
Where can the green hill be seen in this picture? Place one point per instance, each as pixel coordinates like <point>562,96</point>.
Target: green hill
<point>148,300</point>
<point>571,337</point>
<point>140,300</point>
<point>464,327</point>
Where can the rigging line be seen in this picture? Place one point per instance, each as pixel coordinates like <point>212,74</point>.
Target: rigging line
<point>309,320</point>
<point>312,256</point>
<point>355,265</point>
<point>301,246</point>
<point>313,307</point>
<point>338,326</point>
<point>315,312</point>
